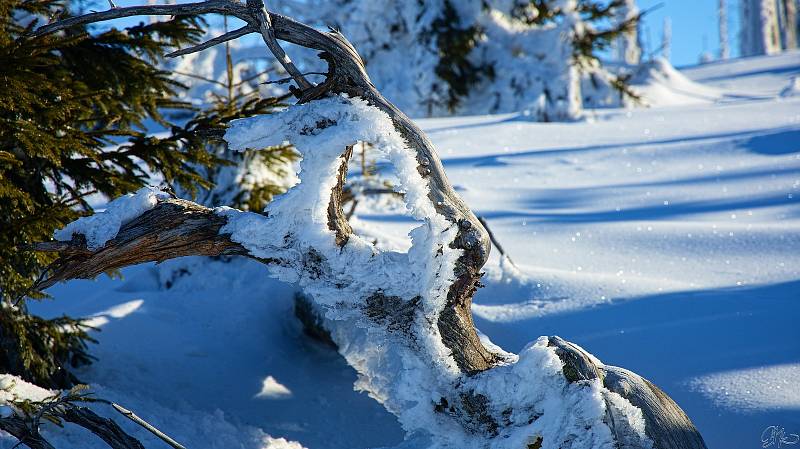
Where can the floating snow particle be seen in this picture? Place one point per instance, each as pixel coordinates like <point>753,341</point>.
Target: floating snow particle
<point>104,226</point>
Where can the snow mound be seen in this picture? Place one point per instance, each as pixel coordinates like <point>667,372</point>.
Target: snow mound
<point>660,84</point>
<point>104,226</point>
<point>753,389</point>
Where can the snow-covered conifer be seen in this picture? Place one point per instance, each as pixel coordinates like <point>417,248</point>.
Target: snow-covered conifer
<point>484,56</point>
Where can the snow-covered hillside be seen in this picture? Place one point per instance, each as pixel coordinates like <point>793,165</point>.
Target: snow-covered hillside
<point>665,240</point>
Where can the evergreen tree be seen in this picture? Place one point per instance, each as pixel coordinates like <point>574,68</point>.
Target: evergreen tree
<point>481,56</point>
<point>249,179</point>
<point>627,43</point>
<point>73,110</point>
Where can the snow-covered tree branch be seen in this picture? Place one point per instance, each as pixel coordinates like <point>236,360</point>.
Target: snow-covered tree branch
<point>401,319</point>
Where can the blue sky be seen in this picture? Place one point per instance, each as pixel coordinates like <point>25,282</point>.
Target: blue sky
<point>694,28</point>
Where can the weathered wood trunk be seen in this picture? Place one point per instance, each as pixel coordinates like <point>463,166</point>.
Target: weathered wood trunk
<point>428,341</point>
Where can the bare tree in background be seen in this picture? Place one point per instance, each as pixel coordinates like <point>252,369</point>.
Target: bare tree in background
<point>724,49</point>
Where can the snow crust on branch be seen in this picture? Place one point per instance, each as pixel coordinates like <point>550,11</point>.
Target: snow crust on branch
<point>13,388</point>
<point>296,230</point>
<point>320,131</point>
<point>104,226</point>
<point>410,371</point>
<point>382,307</point>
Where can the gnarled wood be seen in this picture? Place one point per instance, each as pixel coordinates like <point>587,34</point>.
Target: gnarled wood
<point>18,427</point>
<point>665,423</point>
<point>105,429</point>
<point>177,228</point>
<point>348,75</point>
<point>174,228</point>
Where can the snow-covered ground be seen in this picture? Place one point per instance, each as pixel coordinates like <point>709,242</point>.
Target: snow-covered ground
<point>664,240</point>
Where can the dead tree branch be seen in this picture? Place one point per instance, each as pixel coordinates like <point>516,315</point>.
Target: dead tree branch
<point>495,242</point>
<point>258,10</point>
<point>149,427</point>
<point>177,228</point>
<point>665,423</point>
<point>174,228</point>
<point>229,36</point>
<point>26,435</point>
<point>104,428</point>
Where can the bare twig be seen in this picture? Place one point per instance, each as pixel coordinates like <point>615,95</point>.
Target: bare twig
<point>132,416</point>
<point>220,83</point>
<point>352,210</point>
<point>191,9</point>
<point>229,36</point>
<point>259,11</point>
<point>495,242</point>
<point>386,191</point>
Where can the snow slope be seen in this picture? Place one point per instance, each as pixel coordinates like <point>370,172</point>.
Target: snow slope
<point>748,77</point>
<point>665,240</point>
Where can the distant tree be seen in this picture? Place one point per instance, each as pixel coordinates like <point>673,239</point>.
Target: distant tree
<point>759,31</point>
<point>627,45</point>
<point>483,56</point>
<point>788,24</point>
<point>666,39</point>
<point>722,17</point>
<point>249,179</point>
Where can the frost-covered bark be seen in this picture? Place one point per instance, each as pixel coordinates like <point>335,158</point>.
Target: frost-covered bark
<point>383,308</point>
<point>401,319</point>
<point>759,30</point>
<point>627,46</point>
<point>768,26</point>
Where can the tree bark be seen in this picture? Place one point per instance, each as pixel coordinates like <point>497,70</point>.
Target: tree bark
<point>174,228</point>
<point>19,429</point>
